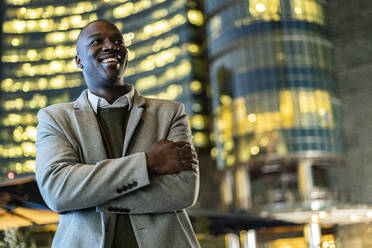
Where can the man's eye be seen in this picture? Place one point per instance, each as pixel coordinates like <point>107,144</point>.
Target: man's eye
<point>94,42</point>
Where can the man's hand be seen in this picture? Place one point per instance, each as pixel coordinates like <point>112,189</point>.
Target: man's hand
<point>167,157</point>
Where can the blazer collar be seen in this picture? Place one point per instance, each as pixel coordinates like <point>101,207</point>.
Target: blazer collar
<point>83,103</point>
<point>88,127</point>
<point>139,104</point>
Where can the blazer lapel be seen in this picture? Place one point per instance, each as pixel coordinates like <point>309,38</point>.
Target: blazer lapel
<point>92,145</point>
<point>134,118</point>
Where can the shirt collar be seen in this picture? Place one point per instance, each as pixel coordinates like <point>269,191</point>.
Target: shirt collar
<point>99,102</point>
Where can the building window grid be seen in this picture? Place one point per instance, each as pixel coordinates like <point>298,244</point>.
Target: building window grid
<point>14,123</point>
<point>303,138</point>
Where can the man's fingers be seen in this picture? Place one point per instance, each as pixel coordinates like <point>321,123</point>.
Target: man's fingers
<point>187,155</point>
<point>182,144</point>
<point>190,166</point>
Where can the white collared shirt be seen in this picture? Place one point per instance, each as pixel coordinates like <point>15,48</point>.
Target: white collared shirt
<point>99,102</point>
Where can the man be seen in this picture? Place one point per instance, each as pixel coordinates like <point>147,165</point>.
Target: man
<point>119,168</point>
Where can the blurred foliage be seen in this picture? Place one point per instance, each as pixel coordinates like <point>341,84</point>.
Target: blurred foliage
<point>14,238</point>
<point>206,239</point>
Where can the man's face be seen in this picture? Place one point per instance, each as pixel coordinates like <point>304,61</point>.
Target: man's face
<point>102,55</point>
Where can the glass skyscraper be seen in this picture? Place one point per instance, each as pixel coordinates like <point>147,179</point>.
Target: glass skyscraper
<point>38,49</point>
<point>276,114</point>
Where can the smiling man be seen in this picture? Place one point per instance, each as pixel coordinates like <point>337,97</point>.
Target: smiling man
<point>119,168</point>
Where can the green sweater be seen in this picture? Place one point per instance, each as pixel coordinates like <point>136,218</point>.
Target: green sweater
<point>113,122</point>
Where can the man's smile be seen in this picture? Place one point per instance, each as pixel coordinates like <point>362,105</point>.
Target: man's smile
<point>110,59</point>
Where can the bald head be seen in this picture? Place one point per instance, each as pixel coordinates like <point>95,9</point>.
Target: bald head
<point>82,31</point>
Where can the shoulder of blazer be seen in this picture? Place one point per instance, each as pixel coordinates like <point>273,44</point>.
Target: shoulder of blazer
<point>58,110</point>
<point>163,104</point>
<point>65,109</point>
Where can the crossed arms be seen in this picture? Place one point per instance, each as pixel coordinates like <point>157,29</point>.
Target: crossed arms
<point>164,178</point>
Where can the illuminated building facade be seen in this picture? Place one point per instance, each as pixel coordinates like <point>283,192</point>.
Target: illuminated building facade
<point>277,121</point>
<point>37,63</point>
<point>276,114</point>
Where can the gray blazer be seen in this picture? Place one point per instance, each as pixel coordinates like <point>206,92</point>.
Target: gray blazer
<point>87,190</point>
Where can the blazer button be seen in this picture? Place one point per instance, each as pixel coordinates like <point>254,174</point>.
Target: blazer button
<point>135,183</point>
<point>110,209</point>
<point>119,191</point>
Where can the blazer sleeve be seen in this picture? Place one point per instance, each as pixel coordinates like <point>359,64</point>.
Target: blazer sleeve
<point>166,193</point>
<point>67,184</point>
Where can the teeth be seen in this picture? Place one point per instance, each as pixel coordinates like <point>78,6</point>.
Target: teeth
<point>108,60</point>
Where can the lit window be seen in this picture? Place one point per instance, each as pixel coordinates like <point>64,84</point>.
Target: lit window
<point>123,10</point>
<point>19,25</point>
<point>22,10</point>
<point>230,160</point>
<point>255,150</point>
<point>196,86</point>
<point>60,10</point>
<point>29,166</point>
<point>179,71</point>
<point>46,25</point>
<point>75,21</point>
<point>195,17</point>
<point>15,42</point>
<point>159,13</point>
<point>264,9</point>
<point>73,34</point>
<point>200,139</point>
<point>309,10</point>
<point>128,39</point>
<point>307,102</point>
<point>194,49</point>
<point>225,99</point>
<point>197,107</point>
<point>56,37</point>
<point>252,118</point>
<point>198,122</point>
<point>324,108</point>
<point>31,25</point>
<point>29,149</point>
<point>32,55</point>
<point>215,27</point>
<point>173,91</point>
<point>160,27</point>
<point>146,83</point>
<point>286,108</point>
<point>17,2</point>
<point>15,104</point>
<point>260,7</point>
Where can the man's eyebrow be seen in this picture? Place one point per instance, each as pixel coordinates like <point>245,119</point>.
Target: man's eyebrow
<point>98,34</point>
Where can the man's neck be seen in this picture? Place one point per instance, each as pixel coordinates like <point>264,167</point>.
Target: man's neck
<point>112,93</point>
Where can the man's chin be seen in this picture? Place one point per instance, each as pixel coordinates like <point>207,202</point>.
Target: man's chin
<point>113,80</point>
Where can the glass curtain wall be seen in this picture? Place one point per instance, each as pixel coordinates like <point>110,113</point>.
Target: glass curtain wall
<point>276,113</point>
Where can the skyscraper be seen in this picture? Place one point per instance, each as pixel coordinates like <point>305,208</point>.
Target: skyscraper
<point>277,122</point>
<point>37,70</point>
<point>277,117</point>
<point>38,48</point>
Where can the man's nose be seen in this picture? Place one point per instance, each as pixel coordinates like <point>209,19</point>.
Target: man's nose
<point>109,45</point>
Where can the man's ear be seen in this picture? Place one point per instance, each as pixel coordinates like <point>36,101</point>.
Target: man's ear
<point>78,62</point>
